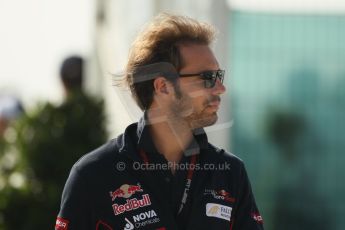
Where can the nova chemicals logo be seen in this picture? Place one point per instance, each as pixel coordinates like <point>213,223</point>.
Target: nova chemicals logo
<point>145,218</point>
<point>129,225</point>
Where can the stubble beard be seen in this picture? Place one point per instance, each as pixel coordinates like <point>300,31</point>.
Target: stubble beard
<point>182,110</point>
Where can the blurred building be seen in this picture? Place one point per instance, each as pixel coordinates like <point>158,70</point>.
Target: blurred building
<point>285,76</point>
<point>287,84</point>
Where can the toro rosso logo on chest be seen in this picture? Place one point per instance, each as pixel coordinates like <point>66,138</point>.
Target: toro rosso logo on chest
<point>125,191</point>
<point>220,195</point>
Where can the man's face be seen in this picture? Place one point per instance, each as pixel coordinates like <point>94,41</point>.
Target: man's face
<point>194,103</point>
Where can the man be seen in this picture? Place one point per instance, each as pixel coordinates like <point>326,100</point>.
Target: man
<point>49,140</point>
<point>126,184</point>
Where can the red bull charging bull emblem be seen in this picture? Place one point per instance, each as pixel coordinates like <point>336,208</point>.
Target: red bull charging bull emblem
<point>125,191</point>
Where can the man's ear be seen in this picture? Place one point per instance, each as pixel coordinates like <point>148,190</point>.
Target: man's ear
<point>161,85</point>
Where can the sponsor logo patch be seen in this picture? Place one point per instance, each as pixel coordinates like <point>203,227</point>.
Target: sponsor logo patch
<point>257,217</point>
<point>220,195</point>
<point>129,225</point>
<point>141,220</point>
<point>125,191</point>
<point>145,218</point>
<point>132,204</point>
<point>218,211</point>
<point>61,224</point>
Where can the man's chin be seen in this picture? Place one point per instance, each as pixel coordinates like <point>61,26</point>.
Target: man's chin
<point>212,120</point>
<point>204,121</point>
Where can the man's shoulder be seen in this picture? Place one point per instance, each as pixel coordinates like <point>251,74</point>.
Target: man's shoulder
<point>226,164</point>
<point>113,150</point>
<point>101,157</point>
<point>216,154</point>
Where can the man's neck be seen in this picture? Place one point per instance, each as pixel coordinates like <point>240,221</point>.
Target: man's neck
<point>171,138</point>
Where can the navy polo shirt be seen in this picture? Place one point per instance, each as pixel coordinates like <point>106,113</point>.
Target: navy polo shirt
<point>126,184</point>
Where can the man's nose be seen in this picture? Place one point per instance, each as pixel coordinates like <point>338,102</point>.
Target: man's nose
<point>219,88</point>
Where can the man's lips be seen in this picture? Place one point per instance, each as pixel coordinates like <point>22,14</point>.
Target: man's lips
<point>214,104</point>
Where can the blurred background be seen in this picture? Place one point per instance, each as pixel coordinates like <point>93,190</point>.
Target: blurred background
<point>283,113</point>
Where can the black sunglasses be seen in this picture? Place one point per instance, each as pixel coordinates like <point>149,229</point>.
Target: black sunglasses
<point>210,77</point>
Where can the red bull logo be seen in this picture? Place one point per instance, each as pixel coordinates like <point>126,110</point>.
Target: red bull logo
<point>125,191</point>
<point>132,204</point>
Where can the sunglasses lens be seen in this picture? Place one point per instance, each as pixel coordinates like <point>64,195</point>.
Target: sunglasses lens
<point>210,77</point>
<point>209,83</point>
<point>220,75</point>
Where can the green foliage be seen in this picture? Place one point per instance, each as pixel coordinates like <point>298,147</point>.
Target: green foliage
<point>48,143</point>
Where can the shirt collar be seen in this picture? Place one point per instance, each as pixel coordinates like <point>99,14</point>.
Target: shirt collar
<point>145,141</point>
<point>137,136</point>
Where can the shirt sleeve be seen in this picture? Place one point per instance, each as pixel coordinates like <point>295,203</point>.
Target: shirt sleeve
<point>246,214</point>
<point>75,204</point>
